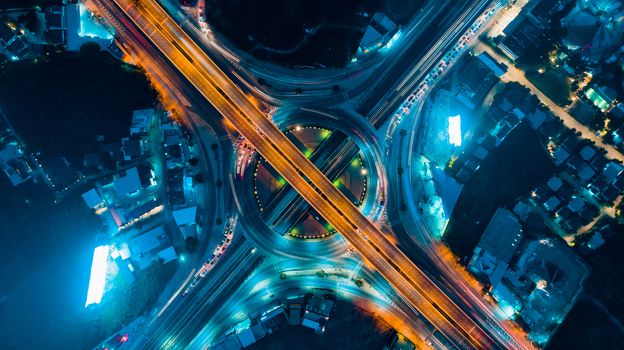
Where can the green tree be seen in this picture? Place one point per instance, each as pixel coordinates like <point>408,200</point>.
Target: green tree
<point>321,273</point>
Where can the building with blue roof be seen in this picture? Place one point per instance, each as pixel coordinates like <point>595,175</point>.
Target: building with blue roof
<point>128,184</point>
<point>151,246</point>
<point>141,120</point>
<point>497,68</point>
<point>185,216</point>
<point>378,32</point>
<point>83,27</point>
<point>497,246</point>
<point>92,198</point>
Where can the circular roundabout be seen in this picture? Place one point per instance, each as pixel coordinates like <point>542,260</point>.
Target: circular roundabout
<point>276,218</point>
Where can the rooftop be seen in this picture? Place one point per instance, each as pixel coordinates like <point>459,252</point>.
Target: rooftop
<point>83,27</point>
<point>185,216</point>
<point>128,184</point>
<point>92,198</point>
<point>557,275</point>
<point>502,235</point>
<point>141,120</point>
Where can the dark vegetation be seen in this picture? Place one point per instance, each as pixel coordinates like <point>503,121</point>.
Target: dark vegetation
<point>59,106</point>
<point>125,303</point>
<point>12,4</point>
<point>293,32</point>
<point>509,172</point>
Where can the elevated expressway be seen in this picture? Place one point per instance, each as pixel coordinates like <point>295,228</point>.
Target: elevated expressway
<point>409,281</point>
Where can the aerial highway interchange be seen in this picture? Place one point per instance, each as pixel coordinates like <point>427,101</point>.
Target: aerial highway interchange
<point>185,69</point>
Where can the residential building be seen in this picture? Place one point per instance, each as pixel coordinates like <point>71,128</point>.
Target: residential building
<point>554,277</point>
<point>14,163</point>
<point>379,31</point>
<point>141,121</point>
<point>12,45</point>
<point>128,183</point>
<point>594,27</point>
<point>497,246</point>
<point>92,198</point>
<point>149,247</point>
<point>317,313</point>
<point>185,219</point>
<point>55,24</point>
<point>82,27</point>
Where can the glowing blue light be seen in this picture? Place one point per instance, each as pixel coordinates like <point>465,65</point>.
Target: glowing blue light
<point>89,27</point>
<point>455,137</point>
<point>392,40</point>
<point>97,280</point>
